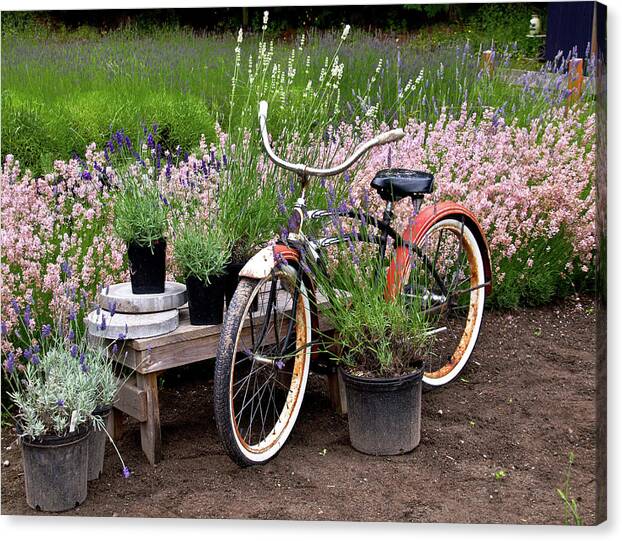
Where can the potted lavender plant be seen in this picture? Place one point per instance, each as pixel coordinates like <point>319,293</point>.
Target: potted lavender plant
<point>202,251</point>
<point>140,219</point>
<point>378,344</point>
<point>54,403</point>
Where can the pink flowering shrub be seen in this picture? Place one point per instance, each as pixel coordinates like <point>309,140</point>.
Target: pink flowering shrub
<point>531,188</point>
<point>56,240</point>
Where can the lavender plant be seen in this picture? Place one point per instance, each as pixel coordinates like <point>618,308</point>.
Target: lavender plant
<point>60,381</point>
<point>374,336</point>
<point>201,250</point>
<point>140,214</point>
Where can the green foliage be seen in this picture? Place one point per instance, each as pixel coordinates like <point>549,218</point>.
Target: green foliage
<point>140,215</point>
<point>501,23</point>
<point>61,94</point>
<point>571,509</point>
<point>201,250</point>
<point>374,335</point>
<point>534,284</point>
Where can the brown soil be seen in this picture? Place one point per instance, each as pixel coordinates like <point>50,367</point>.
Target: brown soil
<point>525,402</point>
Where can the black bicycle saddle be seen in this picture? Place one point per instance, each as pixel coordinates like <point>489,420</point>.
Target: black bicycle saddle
<point>395,184</point>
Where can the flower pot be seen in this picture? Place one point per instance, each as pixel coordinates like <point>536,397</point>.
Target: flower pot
<point>205,301</point>
<point>147,267</point>
<point>233,278</point>
<point>97,445</point>
<point>384,415</point>
<point>55,470</point>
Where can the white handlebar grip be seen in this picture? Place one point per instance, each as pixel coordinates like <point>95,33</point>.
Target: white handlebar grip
<point>390,136</point>
<point>263,109</point>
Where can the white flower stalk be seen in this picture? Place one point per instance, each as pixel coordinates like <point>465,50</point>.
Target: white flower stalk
<point>240,36</point>
<point>346,31</point>
<point>377,72</point>
<point>265,17</point>
<point>419,77</point>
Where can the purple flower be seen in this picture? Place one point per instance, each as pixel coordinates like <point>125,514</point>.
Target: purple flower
<point>46,330</point>
<point>281,203</point>
<point>115,348</point>
<point>3,329</point>
<point>34,359</point>
<point>84,368</point>
<point>66,269</point>
<point>150,141</point>
<point>121,336</point>
<point>73,351</point>
<point>126,472</point>
<point>103,323</point>
<point>293,224</point>
<point>280,364</point>
<point>71,335</point>
<point>15,306</point>
<point>60,402</point>
<point>27,354</point>
<point>27,316</point>
<point>10,362</point>
<point>112,308</point>
<point>72,315</point>
<point>86,175</point>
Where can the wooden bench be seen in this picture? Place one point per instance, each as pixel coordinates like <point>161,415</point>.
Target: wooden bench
<point>150,357</point>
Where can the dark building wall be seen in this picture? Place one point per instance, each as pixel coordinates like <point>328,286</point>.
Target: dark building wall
<point>569,25</point>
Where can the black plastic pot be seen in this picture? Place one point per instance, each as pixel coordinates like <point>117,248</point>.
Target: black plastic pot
<point>232,280</point>
<point>55,470</point>
<point>384,415</point>
<point>97,445</point>
<point>205,301</point>
<point>147,267</point>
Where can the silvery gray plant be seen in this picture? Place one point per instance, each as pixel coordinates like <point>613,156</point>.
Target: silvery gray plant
<point>59,379</point>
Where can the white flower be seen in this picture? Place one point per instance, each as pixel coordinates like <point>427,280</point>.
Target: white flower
<point>265,17</point>
<point>240,36</point>
<point>346,31</point>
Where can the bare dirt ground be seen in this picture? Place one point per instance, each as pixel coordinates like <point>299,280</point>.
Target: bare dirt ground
<point>525,402</point>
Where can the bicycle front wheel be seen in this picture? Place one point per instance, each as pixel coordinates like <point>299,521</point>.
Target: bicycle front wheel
<point>447,279</point>
<point>262,366</point>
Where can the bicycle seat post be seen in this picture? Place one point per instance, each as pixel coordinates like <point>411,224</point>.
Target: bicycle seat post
<point>416,204</point>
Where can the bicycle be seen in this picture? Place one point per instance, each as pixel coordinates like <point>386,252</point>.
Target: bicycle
<point>269,335</point>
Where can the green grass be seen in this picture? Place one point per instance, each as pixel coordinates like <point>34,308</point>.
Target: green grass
<point>61,94</point>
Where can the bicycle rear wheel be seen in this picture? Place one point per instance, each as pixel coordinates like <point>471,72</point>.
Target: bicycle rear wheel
<point>262,366</point>
<point>447,279</point>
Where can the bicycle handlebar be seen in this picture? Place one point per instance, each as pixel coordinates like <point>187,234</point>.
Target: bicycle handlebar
<point>304,170</point>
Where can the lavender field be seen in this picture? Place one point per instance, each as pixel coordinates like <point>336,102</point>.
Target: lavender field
<point>62,93</point>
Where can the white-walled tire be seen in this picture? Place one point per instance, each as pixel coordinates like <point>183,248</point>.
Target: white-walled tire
<point>259,386</point>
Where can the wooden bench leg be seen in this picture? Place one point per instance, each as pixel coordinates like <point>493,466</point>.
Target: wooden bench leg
<point>337,392</point>
<point>150,436</point>
<point>114,424</point>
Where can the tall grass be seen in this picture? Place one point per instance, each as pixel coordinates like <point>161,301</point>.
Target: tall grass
<point>59,96</point>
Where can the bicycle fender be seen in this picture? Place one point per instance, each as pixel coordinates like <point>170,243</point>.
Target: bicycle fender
<point>261,264</point>
<point>415,232</point>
